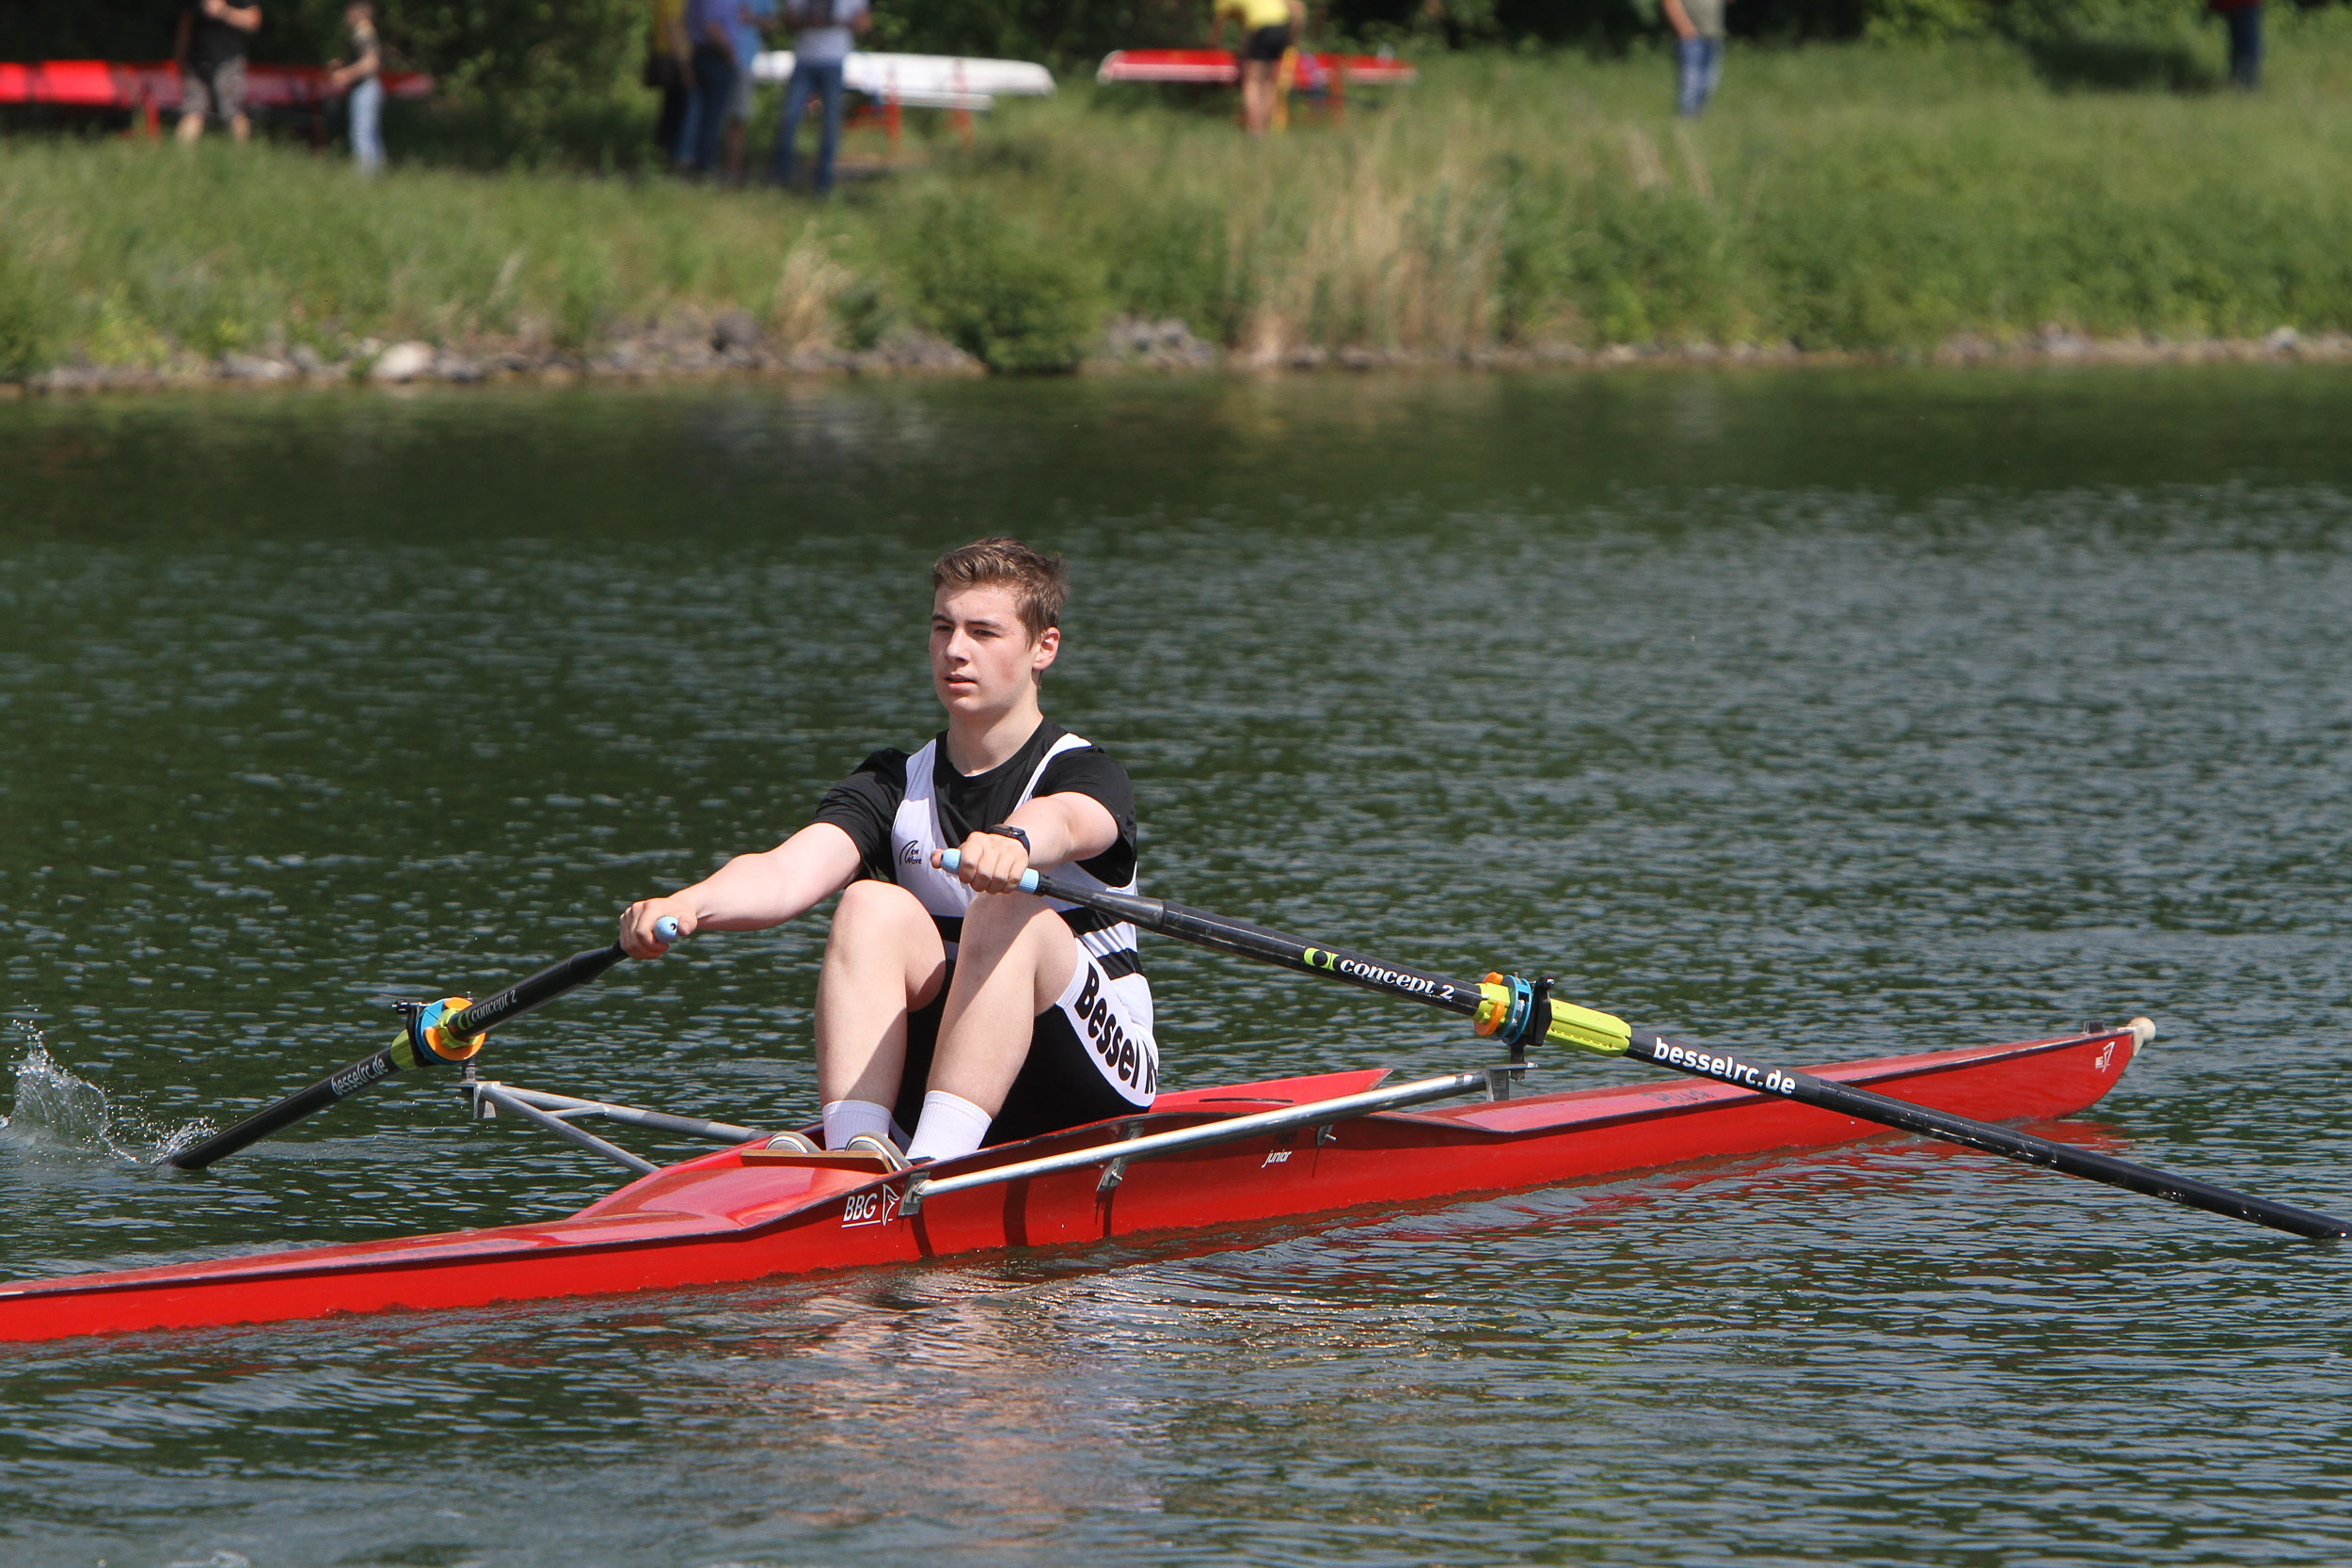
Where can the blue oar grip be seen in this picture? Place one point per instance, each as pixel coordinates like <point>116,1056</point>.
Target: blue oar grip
<point>665,930</point>
<point>950,859</point>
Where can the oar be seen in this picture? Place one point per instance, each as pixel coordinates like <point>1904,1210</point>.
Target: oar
<point>450,1030</point>
<point>1519,1012</point>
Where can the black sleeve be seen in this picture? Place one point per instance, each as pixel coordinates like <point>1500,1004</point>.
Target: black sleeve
<point>865,804</point>
<point>1092,772</point>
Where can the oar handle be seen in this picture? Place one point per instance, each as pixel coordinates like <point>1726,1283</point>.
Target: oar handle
<point>950,859</point>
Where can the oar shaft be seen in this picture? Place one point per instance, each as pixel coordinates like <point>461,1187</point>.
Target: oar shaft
<point>1256,942</point>
<point>1598,1032</point>
<point>272,1119</point>
<point>1869,1105</point>
<point>525,994</point>
<point>1581,1028</point>
<point>458,1028</point>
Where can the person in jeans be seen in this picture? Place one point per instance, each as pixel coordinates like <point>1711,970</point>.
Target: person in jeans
<point>2244,20</point>
<point>213,38</point>
<point>752,18</point>
<point>823,31</point>
<point>1698,26</point>
<point>710,26</point>
<point>669,68</point>
<point>363,79</point>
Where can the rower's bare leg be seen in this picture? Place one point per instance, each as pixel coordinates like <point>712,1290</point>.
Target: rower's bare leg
<point>1014,959</point>
<point>882,962</point>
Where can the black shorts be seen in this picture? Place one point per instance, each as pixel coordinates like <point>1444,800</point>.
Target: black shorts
<point>1061,1083</point>
<point>1267,43</point>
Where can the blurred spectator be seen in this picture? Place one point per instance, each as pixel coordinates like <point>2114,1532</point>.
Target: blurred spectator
<point>821,35</point>
<point>362,77</point>
<point>752,20</point>
<point>1698,26</point>
<point>210,50</point>
<point>710,28</point>
<point>2244,20</point>
<point>669,70</point>
<point>1268,29</point>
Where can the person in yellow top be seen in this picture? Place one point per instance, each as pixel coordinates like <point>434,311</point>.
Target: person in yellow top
<point>1268,28</point>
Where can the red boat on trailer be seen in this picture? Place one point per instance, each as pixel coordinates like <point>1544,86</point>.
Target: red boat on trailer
<point>1276,1151</point>
<point>153,89</point>
<point>1215,67</point>
<point>1326,77</point>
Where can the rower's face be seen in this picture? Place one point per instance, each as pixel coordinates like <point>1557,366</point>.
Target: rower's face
<point>983,659</point>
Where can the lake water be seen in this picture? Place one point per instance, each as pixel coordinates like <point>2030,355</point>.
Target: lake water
<point>1823,714</point>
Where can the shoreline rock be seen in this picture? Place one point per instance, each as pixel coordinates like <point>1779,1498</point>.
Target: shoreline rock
<point>729,344</point>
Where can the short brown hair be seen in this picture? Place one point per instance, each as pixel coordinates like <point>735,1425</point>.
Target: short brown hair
<point>1041,586</point>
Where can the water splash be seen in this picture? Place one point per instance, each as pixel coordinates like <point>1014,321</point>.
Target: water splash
<point>57,1108</point>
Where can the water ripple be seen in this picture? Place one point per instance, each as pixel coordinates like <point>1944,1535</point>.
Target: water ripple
<point>1822,715</point>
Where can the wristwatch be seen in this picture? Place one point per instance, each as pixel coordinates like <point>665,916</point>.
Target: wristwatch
<point>1006,829</point>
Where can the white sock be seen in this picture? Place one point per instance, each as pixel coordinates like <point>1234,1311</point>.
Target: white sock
<point>847,1118</point>
<point>951,1128</point>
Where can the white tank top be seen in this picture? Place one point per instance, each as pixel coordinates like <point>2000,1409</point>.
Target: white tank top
<point>916,831</point>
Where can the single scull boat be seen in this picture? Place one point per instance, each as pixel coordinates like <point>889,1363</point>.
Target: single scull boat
<point>1282,1150</point>
<point>1248,1154</point>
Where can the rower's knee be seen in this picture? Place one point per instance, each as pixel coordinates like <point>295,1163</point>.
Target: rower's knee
<point>1020,929</point>
<point>869,908</point>
<point>879,928</point>
<point>1000,919</point>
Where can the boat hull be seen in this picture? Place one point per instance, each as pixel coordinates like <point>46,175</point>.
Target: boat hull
<point>732,1216</point>
<point>109,85</point>
<point>1215,67</point>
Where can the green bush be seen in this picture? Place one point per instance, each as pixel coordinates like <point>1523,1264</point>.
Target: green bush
<point>995,287</point>
<point>585,288</point>
<point>29,319</point>
<point>1171,259</point>
<point>1870,197</point>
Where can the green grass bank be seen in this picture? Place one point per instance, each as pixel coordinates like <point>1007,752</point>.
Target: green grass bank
<point>1873,197</point>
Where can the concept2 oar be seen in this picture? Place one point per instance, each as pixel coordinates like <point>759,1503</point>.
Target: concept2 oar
<point>1520,1012</point>
<point>450,1030</point>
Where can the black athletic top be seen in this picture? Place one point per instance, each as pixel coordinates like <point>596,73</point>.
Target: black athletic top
<point>865,804</point>
<point>213,44</point>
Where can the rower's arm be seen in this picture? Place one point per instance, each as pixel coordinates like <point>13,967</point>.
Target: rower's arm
<point>1061,828</point>
<point>750,892</point>
<point>1064,828</point>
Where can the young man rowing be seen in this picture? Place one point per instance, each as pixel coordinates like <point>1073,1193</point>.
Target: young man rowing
<point>971,1012</point>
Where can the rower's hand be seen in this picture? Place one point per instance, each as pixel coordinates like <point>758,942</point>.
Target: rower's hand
<point>638,939</point>
<point>991,863</point>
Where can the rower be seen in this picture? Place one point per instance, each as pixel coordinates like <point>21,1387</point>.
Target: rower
<point>950,1002</point>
